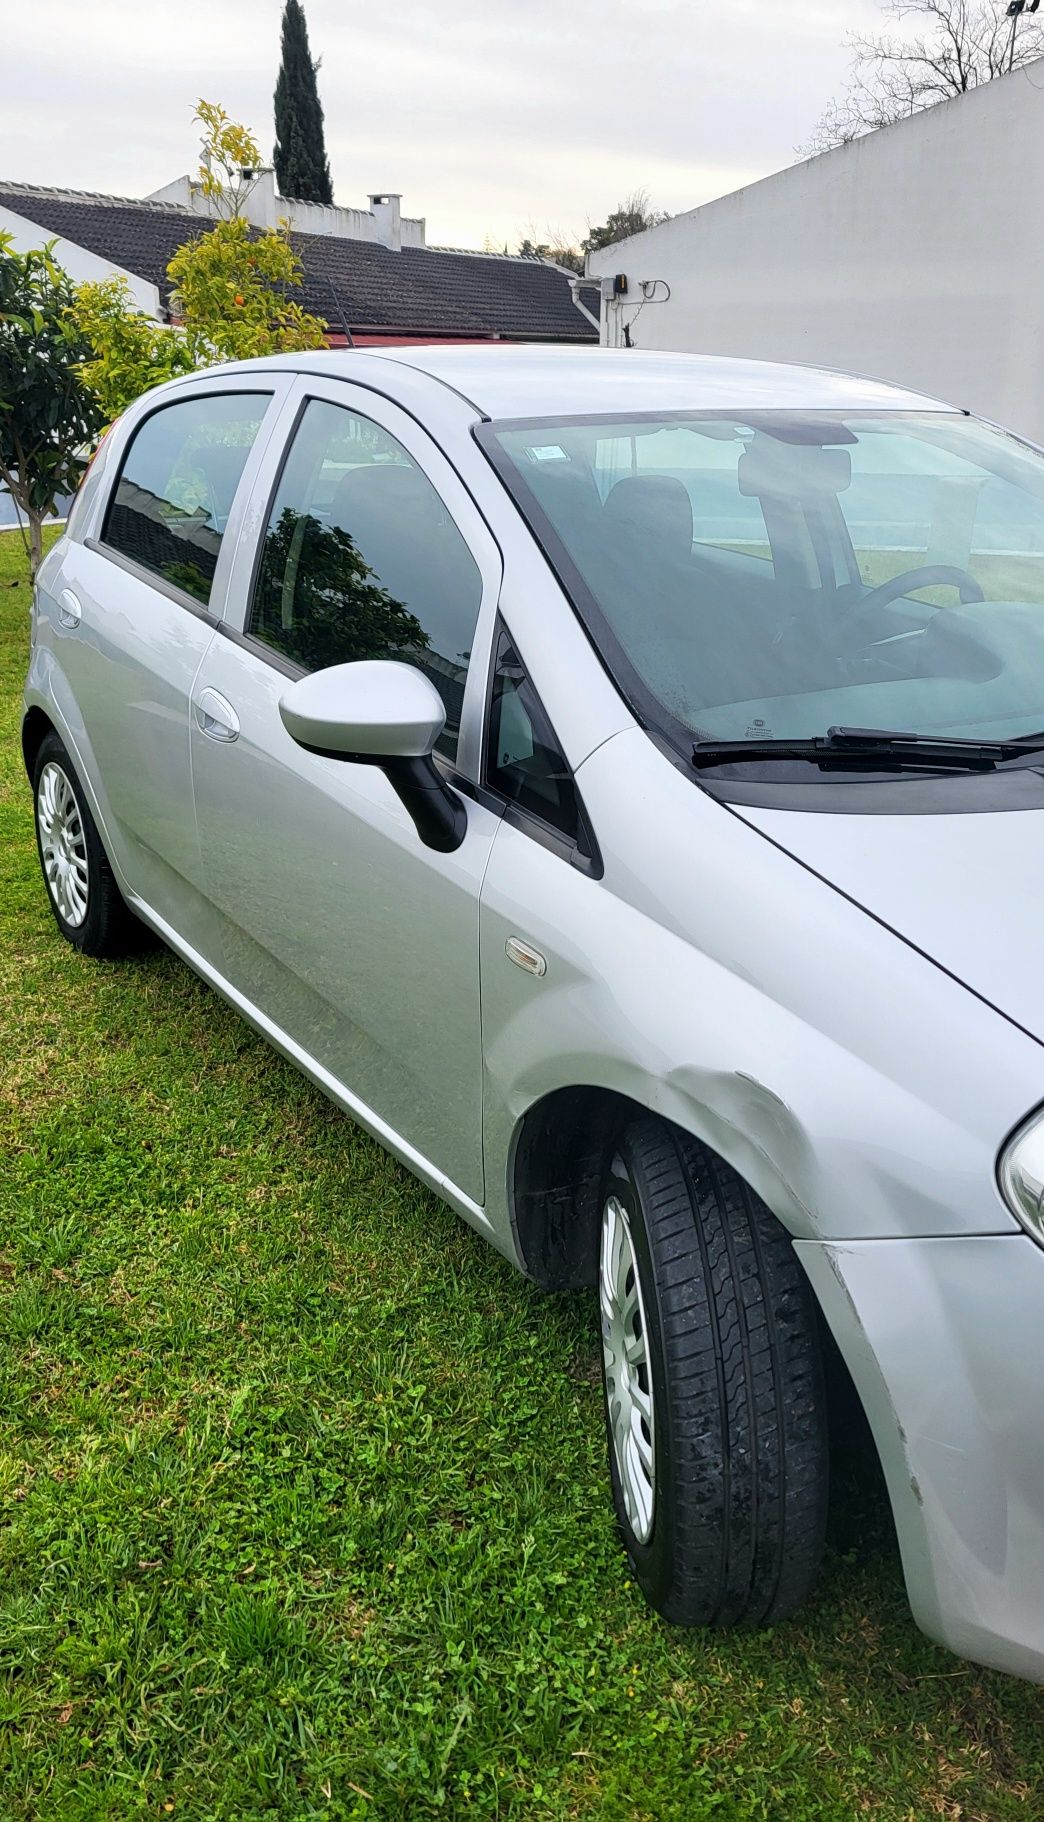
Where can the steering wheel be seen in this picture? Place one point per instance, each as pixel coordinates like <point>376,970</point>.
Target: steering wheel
<point>930,575</point>
<point>861,624</point>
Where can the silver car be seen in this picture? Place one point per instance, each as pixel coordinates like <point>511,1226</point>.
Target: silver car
<point>618,781</point>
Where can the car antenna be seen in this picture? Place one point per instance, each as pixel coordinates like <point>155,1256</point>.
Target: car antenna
<point>348,336</point>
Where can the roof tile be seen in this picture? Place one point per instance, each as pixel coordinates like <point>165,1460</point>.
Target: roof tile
<point>419,290</point>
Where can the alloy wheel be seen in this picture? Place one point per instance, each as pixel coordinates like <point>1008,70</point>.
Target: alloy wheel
<point>63,844</point>
<point>628,1369</point>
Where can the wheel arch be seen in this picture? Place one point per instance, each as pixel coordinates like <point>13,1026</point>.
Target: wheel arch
<point>36,725</point>
<point>557,1154</point>
<point>555,1168</point>
<point>554,1174</point>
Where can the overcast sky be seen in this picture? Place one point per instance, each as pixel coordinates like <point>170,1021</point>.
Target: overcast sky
<point>490,116</point>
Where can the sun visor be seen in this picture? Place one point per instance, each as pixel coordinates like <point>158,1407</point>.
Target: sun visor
<point>770,467</point>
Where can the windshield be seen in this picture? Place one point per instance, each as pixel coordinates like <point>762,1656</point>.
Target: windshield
<point>769,576</point>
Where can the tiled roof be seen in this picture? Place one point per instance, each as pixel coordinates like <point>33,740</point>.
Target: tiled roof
<point>419,290</point>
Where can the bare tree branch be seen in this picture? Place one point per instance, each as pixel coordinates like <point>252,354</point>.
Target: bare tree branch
<point>960,44</point>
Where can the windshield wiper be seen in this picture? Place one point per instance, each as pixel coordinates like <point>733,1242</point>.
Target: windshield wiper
<point>872,747</point>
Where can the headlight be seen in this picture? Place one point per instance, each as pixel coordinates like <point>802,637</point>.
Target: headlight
<point>1020,1172</point>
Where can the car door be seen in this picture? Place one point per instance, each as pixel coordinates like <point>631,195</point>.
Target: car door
<point>359,943</point>
<point>136,604</point>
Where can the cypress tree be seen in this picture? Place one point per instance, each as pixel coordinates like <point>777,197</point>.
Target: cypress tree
<point>301,167</point>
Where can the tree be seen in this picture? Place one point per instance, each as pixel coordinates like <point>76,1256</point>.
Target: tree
<point>229,161</point>
<point>231,289</point>
<point>632,216</point>
<point>231,284</point>
<point>556,252</point>
<point>49,417</point>
<point>340,605</point>
<point>955,45</point>
<point>301,166</point>
<point>128,351</point>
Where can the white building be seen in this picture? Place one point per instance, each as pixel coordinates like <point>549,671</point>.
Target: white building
<point>80,263</point>
<point>915,255</point>
<point>264,208</point>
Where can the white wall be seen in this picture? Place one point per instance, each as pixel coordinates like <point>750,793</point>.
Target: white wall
<point>265,209</point>
<point>915,255</point>
<point>76,260</point>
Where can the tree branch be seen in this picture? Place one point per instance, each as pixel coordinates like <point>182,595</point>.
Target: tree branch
<point>965,43</point>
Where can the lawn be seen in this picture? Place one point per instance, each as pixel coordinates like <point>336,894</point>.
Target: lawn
<point>303,1507</point>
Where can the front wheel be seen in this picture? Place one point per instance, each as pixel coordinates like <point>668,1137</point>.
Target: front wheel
<point>714,1397</point>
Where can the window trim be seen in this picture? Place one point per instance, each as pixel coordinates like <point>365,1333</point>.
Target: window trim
<point>98,543</point>
<point>248,642</point>
<point>264,521</point>
<point>584,852</point>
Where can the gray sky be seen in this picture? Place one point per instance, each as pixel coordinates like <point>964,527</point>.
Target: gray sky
<point>490,116</point>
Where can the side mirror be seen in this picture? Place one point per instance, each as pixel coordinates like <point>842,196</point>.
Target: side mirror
<point>380,712</point>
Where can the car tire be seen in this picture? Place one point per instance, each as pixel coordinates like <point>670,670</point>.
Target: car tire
<point>714,1392</point>
<point>84,897</point>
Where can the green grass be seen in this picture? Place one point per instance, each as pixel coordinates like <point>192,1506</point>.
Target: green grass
<point>1002,577</point>
<point>303,1508</point>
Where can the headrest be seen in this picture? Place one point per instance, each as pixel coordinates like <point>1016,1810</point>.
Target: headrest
<point>564,490</point>
<point>654,508</point>
<point>768,466</point>
<point>388,496</point>
<point>221,464</point>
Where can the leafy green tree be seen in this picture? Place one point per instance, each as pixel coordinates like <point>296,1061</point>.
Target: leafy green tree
<point>632,216</point>
<point>301,166</point>
<point>129,351</point>
<point>50,418</point>
<point>232,284</point>
<point>339,605</point>
<point>232,295</point>
<point>229,161</point>
<point>232,290</point>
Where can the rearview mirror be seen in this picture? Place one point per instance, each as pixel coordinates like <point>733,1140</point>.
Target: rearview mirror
<point>380,712</point>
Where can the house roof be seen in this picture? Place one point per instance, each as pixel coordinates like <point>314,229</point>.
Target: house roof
<point>419,290</point>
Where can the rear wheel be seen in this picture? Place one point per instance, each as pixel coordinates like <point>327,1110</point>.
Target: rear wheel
<point>714,1398</point>
<point>84,896</point>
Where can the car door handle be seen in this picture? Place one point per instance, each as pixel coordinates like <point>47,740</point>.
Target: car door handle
<point>69,610</point>
<point>215,717</point>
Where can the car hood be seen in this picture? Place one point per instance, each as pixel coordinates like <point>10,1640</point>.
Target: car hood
<point>966,889</point>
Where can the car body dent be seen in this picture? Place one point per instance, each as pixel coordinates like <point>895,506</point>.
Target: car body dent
<point>702,1008</point>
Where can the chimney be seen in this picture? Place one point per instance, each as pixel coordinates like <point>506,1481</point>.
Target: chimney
<point>386,213</point>
<point>260,205</point>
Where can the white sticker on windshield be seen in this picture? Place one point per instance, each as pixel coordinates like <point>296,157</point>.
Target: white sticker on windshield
<point>547,452</point>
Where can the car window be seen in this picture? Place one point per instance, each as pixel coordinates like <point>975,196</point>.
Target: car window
<point>361,559</point>
<point>177,483</point>
<point>905,587</point>
<point>524,761</point>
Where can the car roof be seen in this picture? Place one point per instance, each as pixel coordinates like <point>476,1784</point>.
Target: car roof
<point>501,380</point>
<point>519,381</point>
